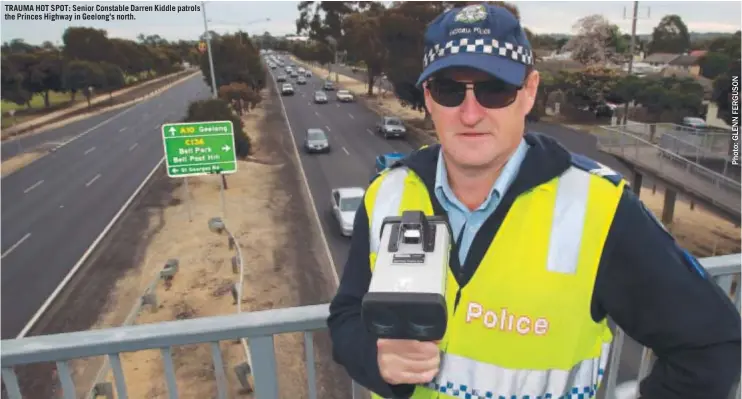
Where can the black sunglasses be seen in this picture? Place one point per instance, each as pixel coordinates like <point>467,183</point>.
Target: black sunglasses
<point>492,94</point>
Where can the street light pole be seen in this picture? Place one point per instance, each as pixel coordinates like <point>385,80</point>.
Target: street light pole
<point>208,47</point>
<point>631,57</point>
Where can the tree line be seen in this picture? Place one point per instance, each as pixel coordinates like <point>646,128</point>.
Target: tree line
<point>87,61</point>
<point>388,41</point>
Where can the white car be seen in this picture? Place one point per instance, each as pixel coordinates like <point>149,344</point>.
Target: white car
<point>344,96</point>
<point>287,89</point>
<point>345,203</point>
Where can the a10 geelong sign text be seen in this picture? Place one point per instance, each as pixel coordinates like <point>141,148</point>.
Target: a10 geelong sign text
<point>199,148</point>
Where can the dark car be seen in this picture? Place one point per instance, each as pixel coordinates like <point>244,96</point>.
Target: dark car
<point>328,86</point>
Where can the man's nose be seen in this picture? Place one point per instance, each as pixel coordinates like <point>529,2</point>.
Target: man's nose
<point>470,111</point>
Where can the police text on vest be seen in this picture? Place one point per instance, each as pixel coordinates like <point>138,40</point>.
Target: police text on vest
<point>506,322</point>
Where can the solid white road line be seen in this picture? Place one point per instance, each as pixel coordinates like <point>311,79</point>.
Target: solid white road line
<point>306,187</point>
<point>91,248</point>
<point>14,246</point>
<point>38,183</point>
<point>92,180</point>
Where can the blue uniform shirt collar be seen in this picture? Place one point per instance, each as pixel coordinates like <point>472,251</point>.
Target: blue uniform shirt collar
<point>502,184</point>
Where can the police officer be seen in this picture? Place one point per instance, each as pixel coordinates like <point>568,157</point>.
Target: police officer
<point>548,244</point>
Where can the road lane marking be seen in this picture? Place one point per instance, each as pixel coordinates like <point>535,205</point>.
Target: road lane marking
<point>351,116</point>
<point>89,150</point>
<point>93,180</point>
<point>328,128</point>
<point>370,132</point>
<point>346,151</point>
<point>132,146</point>
<point>337,105</point>
<point>122,129</point>
<point>316,113</point>
<point>38,183</point>
<point>14,246</point>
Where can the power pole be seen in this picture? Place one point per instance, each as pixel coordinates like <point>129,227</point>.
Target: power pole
<point>208,47</point>
<point>631,57</point>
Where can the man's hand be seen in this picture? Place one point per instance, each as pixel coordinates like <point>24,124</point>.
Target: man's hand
<point>404,361</point>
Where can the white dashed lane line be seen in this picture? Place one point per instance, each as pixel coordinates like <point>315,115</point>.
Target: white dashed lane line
<point>346,151</point>
<point>89,150</point>
<point>14,246</point>
<point>132,146</point>
<point>92,180</point>
<point>351,116</point>
<point>38,183</point>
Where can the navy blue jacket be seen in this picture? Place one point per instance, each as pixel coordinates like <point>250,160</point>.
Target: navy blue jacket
<point>653,289</point>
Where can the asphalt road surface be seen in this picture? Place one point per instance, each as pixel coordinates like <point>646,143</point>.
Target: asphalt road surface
<point>54,208</point>
<point>350,130</point>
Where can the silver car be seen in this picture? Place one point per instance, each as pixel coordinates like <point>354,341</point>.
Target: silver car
<point>316,141</point>
<point>320,97</point>
<point>391,126</point>
<point>345,203</point>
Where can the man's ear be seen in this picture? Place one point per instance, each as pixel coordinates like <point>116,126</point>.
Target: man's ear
<point>531,91</point>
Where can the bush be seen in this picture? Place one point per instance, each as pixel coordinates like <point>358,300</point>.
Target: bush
<point>219,110</point>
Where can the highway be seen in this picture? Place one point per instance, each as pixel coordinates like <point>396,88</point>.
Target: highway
<point>55,208</point>
<point>350,130</point>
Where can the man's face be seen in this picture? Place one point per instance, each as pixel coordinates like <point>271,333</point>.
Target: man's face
<point>474,136</point>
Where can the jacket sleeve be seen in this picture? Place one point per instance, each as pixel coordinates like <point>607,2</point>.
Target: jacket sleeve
<point>663,298</point>
<point>353,347</point>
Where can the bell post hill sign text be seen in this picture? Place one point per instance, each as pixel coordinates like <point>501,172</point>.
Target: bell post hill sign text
<point>199,148</point>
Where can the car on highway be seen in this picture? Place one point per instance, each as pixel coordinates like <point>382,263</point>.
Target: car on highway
<point>320,97</point>
<point>316,141</point>
<point>345,203</point>
<point>391,126</point>
<point>280,78</point>
<point>301,80</point>
<point>294,75</point>
<point>328,86</point>
<point>384,161</point>
<point>308,73</point>
<point>344,96</point>
<point>287,89</point>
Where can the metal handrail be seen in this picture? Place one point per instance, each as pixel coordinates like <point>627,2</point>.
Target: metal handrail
<point>259,327</point>
<point>667,153</point>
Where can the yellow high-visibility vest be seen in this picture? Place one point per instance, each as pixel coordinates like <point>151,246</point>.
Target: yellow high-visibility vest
<point>522,327</point>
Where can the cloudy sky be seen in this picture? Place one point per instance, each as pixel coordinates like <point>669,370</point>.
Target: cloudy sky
<point>251,16</point>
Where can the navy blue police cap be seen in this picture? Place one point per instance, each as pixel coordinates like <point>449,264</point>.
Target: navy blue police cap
<point>482,36</point>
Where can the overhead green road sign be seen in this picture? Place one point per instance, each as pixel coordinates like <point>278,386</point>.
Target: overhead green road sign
<point>199,148</point>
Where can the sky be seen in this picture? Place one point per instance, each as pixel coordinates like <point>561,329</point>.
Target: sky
<point>278,18</point>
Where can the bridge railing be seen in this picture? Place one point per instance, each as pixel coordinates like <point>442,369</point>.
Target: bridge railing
<point>662,160</point>
<point>259,328</point>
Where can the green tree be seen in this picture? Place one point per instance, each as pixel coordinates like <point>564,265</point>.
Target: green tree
<point>89,44</point>
<point>219,110</point>
<point>236,59</point>
<point>11,82</point>
<point>363,42</point>
<point>48,73</point>
<point>241,96</point>
<point>113,78</point>
<point>670,36</point>
<point>81,76</point>
<point>714,64</point>
<point>722,92</point>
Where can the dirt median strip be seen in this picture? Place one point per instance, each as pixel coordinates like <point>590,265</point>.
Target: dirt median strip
<point>267,212</point>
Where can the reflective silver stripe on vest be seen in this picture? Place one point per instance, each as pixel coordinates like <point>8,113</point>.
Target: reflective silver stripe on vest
<point>465,378</point>
<point>388,200</point>
<point>569,219</point>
